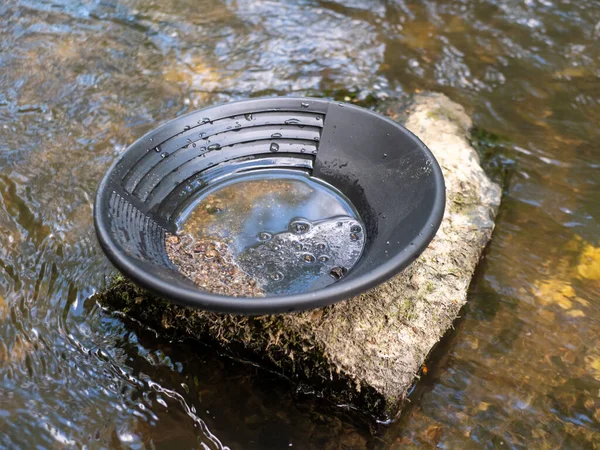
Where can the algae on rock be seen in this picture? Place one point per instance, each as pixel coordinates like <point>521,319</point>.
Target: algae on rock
<point>368,350</point>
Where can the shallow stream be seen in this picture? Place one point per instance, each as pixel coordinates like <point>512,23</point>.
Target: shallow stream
<point>82,79</point>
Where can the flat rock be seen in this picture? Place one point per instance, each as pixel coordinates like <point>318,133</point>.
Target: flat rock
<point>365,352</point>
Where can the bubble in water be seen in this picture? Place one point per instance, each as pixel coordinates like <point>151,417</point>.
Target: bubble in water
<point>304,104</point>
<point>313,252</point>
<point>292,121</point>
<point>274,147</point>
<point>299,226</point>
<point>318,117</point>
<point>248,117</point>
<point>205,120</point>
<point>277,276</point>
<point>187,127</point>
<point>356,228</point>
<point>354,237</point>
<point>157,149</point>
<point>385,155</point>
<point>214,147</point>
<point>308,258</point>
<point>264,236</point>
<point>302,150</point>
<point>276,135</point>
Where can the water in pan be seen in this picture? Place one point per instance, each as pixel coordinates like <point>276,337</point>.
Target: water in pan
<point>90,77</point>
<point>288,231</point>
<point>307,256</point>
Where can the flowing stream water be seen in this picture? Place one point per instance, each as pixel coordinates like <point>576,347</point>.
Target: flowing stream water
<point>82,79</point>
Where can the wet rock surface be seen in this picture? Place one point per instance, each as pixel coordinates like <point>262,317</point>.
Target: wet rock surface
<point>367,351</point>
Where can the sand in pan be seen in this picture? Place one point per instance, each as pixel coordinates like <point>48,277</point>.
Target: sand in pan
<point>208,262</point>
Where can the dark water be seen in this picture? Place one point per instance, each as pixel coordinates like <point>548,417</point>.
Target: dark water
<point>80,80</point>
<point>288,231</point>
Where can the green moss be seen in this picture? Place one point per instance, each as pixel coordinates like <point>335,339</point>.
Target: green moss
<point>443,113</point>
<point>494,152</point>
<point>481,137</point>
<point>458,202</point>
<point>453,272</point>
<point>429,287</point>
<point>406,311</point>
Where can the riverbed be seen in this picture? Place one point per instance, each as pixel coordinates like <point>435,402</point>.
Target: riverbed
<point>82,79</point>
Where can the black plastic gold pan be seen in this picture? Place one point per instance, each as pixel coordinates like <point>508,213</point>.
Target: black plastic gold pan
<point>387,173</point>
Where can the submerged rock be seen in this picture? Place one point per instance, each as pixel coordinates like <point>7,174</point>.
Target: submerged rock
<point>367,351</point>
